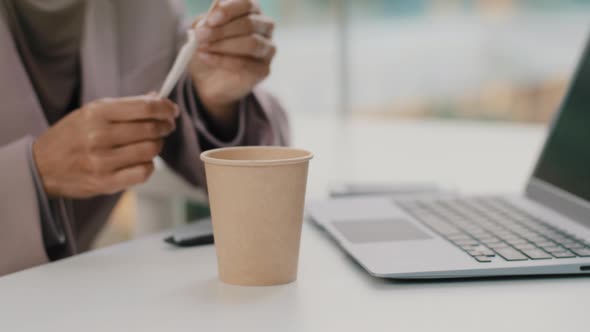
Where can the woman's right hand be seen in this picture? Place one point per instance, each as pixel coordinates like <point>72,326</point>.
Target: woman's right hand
<point>104,147</point>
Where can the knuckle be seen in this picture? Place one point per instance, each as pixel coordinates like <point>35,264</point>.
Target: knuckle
<point>89,111</point>
<point>93,110</point>
<point>93,139</point>
<point>223,10</point>
<point>251,23</point>
<point>100,104</point>
<point>93,105</point>
<point>93,165</point>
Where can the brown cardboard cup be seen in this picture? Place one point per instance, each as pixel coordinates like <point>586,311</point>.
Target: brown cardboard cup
<point>257,196</point>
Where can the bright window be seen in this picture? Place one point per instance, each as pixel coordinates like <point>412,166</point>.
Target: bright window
<point>485,59</point>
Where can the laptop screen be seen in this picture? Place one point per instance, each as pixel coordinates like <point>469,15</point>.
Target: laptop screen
<point>565,161</point>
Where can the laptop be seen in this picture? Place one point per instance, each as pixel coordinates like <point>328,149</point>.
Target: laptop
<point>543,231</point>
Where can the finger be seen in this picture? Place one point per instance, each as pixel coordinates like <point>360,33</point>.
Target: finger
<point>128,177</point>
<point>124,133</point>
<point>133,132</point>
<point>228,10</point>
<point>254,46</point>
<point>134,109</point>
<point>258,68</point>
<point>243,26</point>
<point>133,154</point>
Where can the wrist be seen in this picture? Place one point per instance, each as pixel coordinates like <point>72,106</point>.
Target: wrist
<point>222,113</point>
<point>223,118</point>
<point>46,184</point>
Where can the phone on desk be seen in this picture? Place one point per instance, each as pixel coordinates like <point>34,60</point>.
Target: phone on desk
<point>396,190</point>
<point>196,233</point>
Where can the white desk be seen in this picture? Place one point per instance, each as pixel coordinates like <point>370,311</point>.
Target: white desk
<point>147,286</point>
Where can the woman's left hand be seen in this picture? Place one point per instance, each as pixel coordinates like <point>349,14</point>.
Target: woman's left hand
<point>234,55</point>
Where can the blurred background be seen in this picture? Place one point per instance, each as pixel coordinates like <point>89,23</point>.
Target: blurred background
<point>483,60</point>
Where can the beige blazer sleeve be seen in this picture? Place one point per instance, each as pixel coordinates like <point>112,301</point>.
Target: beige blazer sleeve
<point>263,122</point>
<point>21,242</point>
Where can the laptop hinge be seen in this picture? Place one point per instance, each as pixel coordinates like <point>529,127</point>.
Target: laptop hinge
<point>559,200</point>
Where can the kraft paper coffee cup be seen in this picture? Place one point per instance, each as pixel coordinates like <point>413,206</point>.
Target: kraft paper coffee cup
<point>257,198</point>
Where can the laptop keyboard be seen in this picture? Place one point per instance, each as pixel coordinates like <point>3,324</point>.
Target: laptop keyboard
<point>487,228</point>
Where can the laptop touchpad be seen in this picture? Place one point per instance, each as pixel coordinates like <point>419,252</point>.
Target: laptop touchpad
<point>385,230</point>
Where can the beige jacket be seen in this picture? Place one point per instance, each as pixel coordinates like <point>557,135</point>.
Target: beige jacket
<point>128,47</point>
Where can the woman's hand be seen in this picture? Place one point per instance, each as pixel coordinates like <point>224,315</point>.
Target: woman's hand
<point>234,55</point>
<point>104,147</point>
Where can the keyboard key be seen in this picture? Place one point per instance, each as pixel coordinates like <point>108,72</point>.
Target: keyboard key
<point>459,237</point>
<point>554,249</point>
<point>499,245</point>
<point>469,242</point>
<point>445,228</point>
<point>536,254</point>
<point>485,237</point>
<point>493,240</point>
<point>477,231</point>
<point>483,259</point>
<point>536,238</point>
<point>511,254</point>
<point>561,239</point>
<point>525,246</point>
<point>582,252</point>
<point>504,234</point>
<point>486,252</point>
<point>468,247</point>
<point>566,241</point>
<point>546,244</point>
<point>511,238</point>
<point>563,254</point>
<point>575,245</point>
<point>517,242</point>
<point>484,226</point>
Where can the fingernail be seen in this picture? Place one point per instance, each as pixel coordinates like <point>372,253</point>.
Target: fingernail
<point>215,18</point>
<point>200,24</point>
<point>176,111</point>
<point>203,34</point>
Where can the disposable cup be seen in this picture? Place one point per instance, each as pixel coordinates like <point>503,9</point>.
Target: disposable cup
<point>257,197</point>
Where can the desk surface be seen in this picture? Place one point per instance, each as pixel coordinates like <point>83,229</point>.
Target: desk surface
<point>145,285</point>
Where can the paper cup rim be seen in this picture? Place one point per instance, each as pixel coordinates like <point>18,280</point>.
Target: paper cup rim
<point>208,159</point>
